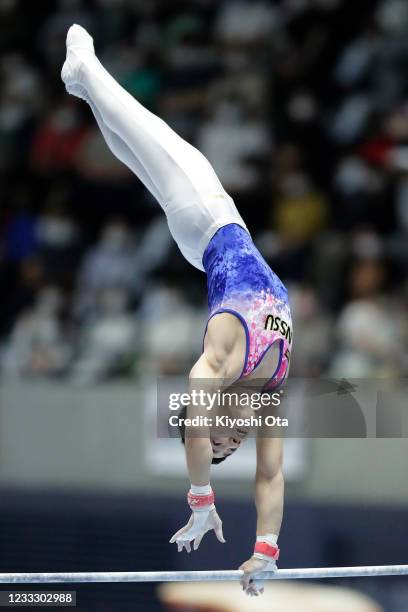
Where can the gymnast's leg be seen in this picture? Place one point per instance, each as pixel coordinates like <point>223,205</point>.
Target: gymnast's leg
<point>177,174</point>
<point>120,149</point>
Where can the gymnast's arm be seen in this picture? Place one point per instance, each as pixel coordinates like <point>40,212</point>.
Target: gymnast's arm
<point>221,360</point>
<point>220,363</point>
<point>269,492</point>
<point>269,485</point>
<point>205,375</point>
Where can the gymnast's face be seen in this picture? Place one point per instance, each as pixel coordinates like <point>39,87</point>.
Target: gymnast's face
<point>226,446</point>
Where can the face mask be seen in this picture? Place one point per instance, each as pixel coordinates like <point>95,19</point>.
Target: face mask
<point>352,176</point>
<point>49,301</point>
<point>393,16</point>
<point>11,116</point>
<point>55,232</point>
<point>114,238</point>
<point>302,107</point>
<point>229,112</point>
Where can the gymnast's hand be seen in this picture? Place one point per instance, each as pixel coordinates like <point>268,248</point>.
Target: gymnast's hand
<point>253,566</point>
<point>204,518</point>
<point>198,525</point>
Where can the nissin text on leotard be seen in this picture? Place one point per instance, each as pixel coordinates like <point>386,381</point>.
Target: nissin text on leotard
<point>277,324</point>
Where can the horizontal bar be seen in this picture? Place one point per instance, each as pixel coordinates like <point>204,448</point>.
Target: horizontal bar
<point>204,576</point>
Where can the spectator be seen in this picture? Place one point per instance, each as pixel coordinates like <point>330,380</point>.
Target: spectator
<point>57,142</point>
<point>244,23</point>
<point>172,329</point>
<point>310,358</point>
<point>39,344</point>
<point>58,239</point>
<point>21,239</point>
<point>229,139</point>
<point>20,101</point>
<point>108,343</point>
<point>113,262</point>
<point>369,325</point>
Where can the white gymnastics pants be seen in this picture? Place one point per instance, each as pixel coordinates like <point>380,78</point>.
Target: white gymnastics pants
<point>177,174</point>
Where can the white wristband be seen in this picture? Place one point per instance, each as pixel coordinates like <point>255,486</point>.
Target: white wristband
<point>201,490</point>
<point>270,538</point>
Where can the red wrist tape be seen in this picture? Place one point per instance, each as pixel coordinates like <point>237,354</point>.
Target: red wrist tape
<point>199,501</point>
<point>267,549</point>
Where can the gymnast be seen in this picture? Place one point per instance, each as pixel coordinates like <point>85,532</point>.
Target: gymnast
<point>249,331</point>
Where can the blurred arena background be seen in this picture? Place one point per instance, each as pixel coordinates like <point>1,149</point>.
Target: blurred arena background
<point>302,107</point>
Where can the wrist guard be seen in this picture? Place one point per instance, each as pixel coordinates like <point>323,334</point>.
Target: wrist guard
<point>201,503</point>
<point>266,551</point>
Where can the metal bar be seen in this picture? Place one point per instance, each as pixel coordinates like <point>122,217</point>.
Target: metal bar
<point>203,576</point>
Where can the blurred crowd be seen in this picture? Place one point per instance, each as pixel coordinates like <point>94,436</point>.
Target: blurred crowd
<point>302,108</point>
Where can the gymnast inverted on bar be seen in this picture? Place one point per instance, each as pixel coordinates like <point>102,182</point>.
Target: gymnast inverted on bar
<point>249,331</point>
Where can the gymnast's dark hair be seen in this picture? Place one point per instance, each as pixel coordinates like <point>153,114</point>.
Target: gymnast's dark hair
<point>182,429</point>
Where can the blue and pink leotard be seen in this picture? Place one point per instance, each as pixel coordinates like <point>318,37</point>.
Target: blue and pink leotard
<point>241,282</point>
